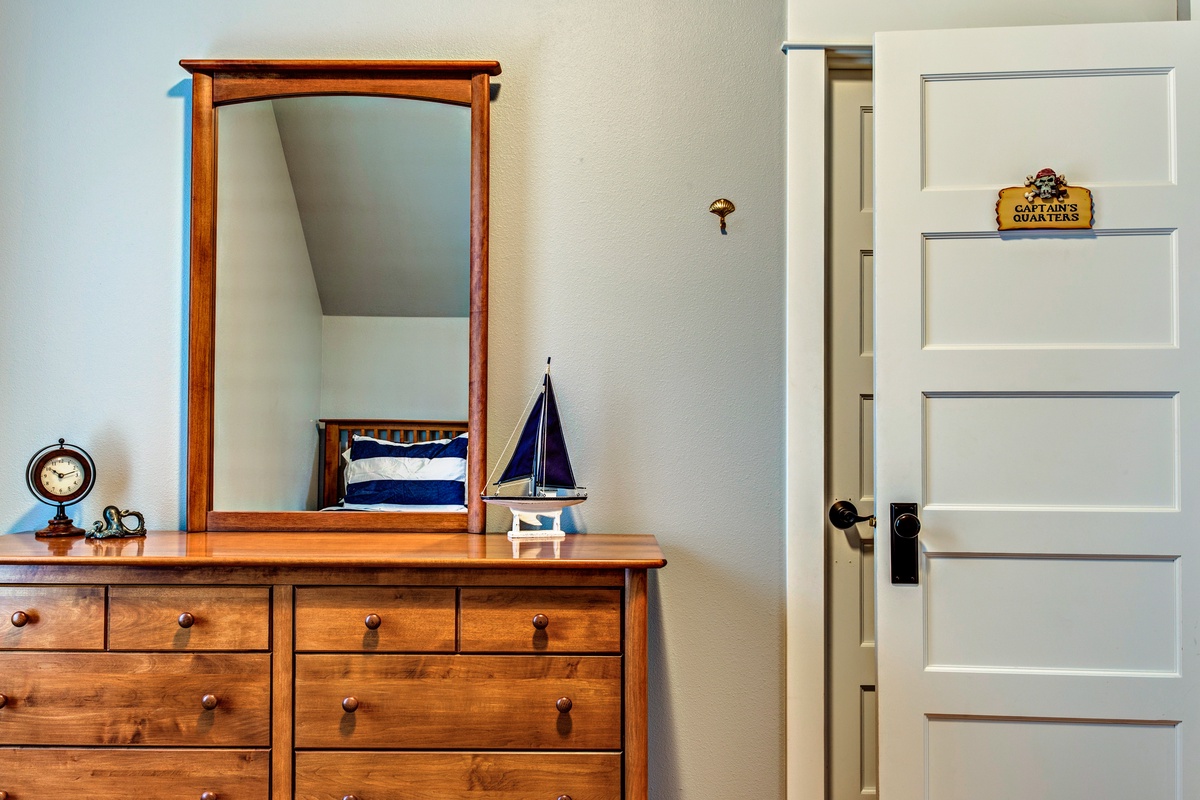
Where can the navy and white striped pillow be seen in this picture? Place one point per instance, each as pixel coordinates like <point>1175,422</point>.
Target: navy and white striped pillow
<point>423,473</point>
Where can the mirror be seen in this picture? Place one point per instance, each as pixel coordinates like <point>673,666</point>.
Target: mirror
<point>343,281</point>
<point>338,272</point>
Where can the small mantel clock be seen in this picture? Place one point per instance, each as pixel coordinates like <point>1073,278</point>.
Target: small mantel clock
<point>61,474</point>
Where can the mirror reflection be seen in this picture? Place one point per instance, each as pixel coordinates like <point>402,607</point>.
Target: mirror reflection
<point>342,281</point>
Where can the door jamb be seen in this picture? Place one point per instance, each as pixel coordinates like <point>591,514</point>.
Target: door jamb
<point>805,416</point>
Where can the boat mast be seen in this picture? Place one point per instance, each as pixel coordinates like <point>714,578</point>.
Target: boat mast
<point>539,446</point>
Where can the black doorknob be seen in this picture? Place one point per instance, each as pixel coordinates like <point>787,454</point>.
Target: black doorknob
<point>907,526</point>
<point>844,515</point>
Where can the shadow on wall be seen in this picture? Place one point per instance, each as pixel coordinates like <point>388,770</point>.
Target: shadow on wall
<point>710,599</point>
<point>114,475</point>
<point>183,90</point>
<point>664,747</point>
<point>37,517</point>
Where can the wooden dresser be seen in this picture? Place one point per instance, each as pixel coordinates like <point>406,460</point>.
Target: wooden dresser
<point>323,666</point>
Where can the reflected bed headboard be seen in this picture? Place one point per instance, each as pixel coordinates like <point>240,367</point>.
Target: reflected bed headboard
<point>336,438</point>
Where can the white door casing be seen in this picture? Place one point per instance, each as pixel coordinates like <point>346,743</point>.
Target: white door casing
<point>1036,395</point>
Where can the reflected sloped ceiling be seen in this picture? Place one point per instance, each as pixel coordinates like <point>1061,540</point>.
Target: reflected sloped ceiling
<point>383,190</point>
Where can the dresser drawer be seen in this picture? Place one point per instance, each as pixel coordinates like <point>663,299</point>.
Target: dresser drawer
<point>135,699</point>
<point>52,618</point>
<point>482,702</point>
<point>350,618</point>
<point>188,618</point>
<point>451,776</point>
<point>43,774</point>
<point>506,620</point>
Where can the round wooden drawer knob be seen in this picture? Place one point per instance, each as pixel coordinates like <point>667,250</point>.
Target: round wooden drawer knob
<point>350,705</point>
<point>540,621</point>
<point>186,620</point>
<point>3,703</point>
<point>564,705</point>
<point>209,701</point>
<point>3,795</point>
<point>208,796</point>
<point>373,621</point>
<point>19,618</point>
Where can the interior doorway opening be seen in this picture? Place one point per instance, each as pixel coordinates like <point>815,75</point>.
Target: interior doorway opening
<point>850,712</point>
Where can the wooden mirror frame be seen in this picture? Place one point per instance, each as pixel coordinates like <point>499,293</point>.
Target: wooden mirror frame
<point>223,82</point>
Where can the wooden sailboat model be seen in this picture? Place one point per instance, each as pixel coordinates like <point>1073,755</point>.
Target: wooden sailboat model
<point>537,480</point>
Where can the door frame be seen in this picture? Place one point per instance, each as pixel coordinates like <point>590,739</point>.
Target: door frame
<point>808,67</point>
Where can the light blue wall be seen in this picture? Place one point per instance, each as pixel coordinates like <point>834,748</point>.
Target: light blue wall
<point>616,125</point>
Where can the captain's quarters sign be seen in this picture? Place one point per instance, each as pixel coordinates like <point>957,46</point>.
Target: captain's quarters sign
<point>1045,202</point>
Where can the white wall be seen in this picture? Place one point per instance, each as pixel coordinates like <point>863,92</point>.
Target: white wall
<point>267,380</point>
<point>856,21</point>
<point>394,367</point>
<point>616,125</point>
<point>383,185</point>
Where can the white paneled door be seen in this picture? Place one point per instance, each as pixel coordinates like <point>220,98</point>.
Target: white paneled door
<point>1038,399</point>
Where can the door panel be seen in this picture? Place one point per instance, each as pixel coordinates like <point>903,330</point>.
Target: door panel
<point>981,609</point>
<point>1035,395</point>
<point>1043,758</point>
<point>984,291</point>
<point>1127,138</point>
<point>1051,451</point>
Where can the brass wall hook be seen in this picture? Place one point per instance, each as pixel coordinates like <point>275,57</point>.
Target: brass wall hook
<point>722,208</point>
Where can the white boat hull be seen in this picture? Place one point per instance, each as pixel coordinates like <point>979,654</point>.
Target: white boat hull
<point>533,505</point>
<point>530,510</point>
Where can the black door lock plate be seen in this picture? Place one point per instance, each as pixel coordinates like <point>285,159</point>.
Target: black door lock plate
<point>905,527</point>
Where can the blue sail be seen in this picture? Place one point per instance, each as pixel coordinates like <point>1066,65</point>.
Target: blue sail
<point>541,447</point>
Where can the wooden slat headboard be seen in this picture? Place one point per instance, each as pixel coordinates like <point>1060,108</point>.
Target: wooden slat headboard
<point>336,439</point>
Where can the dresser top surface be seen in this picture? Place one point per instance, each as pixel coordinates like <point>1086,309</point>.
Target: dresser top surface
<point>420,550</point>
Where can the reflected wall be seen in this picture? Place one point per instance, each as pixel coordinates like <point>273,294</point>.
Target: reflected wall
<point>343,263</point>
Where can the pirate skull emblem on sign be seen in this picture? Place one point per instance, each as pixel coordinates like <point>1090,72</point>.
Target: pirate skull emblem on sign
<point>1046,185</point>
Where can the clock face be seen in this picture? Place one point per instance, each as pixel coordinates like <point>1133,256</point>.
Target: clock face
<point>61,476</point>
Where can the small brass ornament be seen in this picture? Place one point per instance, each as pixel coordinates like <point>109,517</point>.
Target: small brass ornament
<point>113,525</point>
<point>722,208</point>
